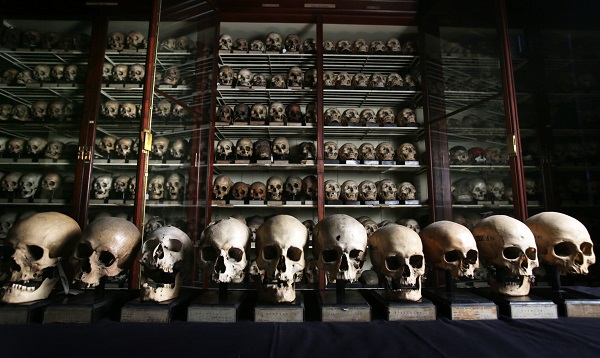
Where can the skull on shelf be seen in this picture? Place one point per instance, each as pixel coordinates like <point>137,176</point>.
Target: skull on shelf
<point>156,187</point>
<point>222,250</point>
<point>275,188</point>
<point>348,151</point>
<point>6,110</point>
<point>273,42</point>
<point>495,187</point>
<point>332,190</point>
<point>41,73</point>
<point>10,182</point>
<point>332,116</point>
<point>167,44</point>
<point>221,187</point>
<point>394,80</point>
<point>131,186</point>
<point>136,40</point>
<point>339,246</point>
<point>331,150</point>
<point>397,254</point>
<point>111,109</point>
<point>278,81</point>
<point>386,189</point>
<point>108,247</point>
<point>406,191</point>
<point>377,47</point>
<point>167,260</point>
<point>225,42</point>
<point>459,155</point>
<point>257,45</point>
<point>241,113</point>
<point>258,112</point>
<point>38,243</point>
<point>409,48</point>
<point>244,78</point>
<point>119,73</point>
<point>21,112</point>
<point>310,78</point>
<point>36,145</point>
<point>243,148</point>
<point>343,46</point>
<point>477,155</point>
<point>240,190</point>
<point>137,73</point>
<point>293,186</point>
<point>406,152</point>
<point>350,116</point>
<point>410,223</point>
<point>258,191</point>
<point>178,148</point>
<point>307,151</point>
<point>295,77</point>
<point>360,80</point>
<point>367,190</point>
<point>259,80</point>
<point>54,150</point>
<point>175,187</point>
<point>311,113</point>
<point>102,186</point>
<point>280,258</point>
<point>224,114</point>
<point>406,118</point>
<point>116,41</point>
<point>241,44</point>
<point>360,46</point>
<point>366,151</point>
<point>120,184</point>
<point>477,188</point>
<point>9,76</point>
<point>31,39</point>
<point>24,77</point>
<point>281,146</point>
<point>128,110</point>
<point>72,73</point>
<point>343,79</point>
<point>385,115</point>
<point>377,80</point>
<point>160,146</point>
<point>329,78</point>
<point>496,156</point>
<point>292,43</point>
<point>450,246</point>
<point>56,110</point>
<point>349,190</point>
<point>393,45</point>
<point>277,112</point>
<point>29,184</point>
<point>172,76</point>
<point>107,144</point>
<point>107,71</point>
<point>328,46</point>
<point>39,109</point>
<point>384,151</point>
<point>508,246</point>
<point>367,116</point>
<point>293,113</point>
<point>16,146</point>
<point>7,220</point>
<point>563,242</point>
<point>124,146</point>
<point>262,149</point>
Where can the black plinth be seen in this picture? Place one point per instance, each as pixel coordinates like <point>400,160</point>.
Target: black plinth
<point>156,312</point>
<point>352,307</point>
<point>22,313</point>
<point>571,302</point>
<point>422,310</point>
<point>88,307</point>
<point>521,307</point>
<point>280,312</point>
<point>461,304</point>
<point>212,306</point>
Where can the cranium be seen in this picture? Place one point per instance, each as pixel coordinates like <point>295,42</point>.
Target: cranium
<point>258,112</point>
<point>222,250</point>
<point>332,115</point>
<point>307,151</point>
<point>477,155</point>
<point>562,241</point>
<point>240,191</point>
<point>172,76</point>
<point>16,146</point>
<point>31,38</point>
<point>409,81</point>
<point>258,191</point>
<point>366,151</point>
<point>131,187</point>
<point>350,116</point>
<point>41,73</point>
<point>178,148</point>
<point>241,45</point>
<point>394,80</point>
<point>409,48</point>
<point>406,152</point>
<point>386,189</point>
<point>397,255</point>
<point>56,110</point>
<point>10,182</point>
<point>385,115</point>
<point>292,43</point>
<point>406,118</point>
<point>367,116</point>
<point>309,187</point>
<point>257,45</point>
<point>295,77</point>
<point>225,148</point>
<point>410,223</point>
<point>38,109</point>
<point>108,247</point>
<point>156,187</point>
<point>7,220</point>
<point>221,187</point>
<point>343,46</point>
<point>107,144</point>
<point>124,147</point>
<point>281,146</point>
<point>225,42</point>
<point>348,151</point>
<point>367,190</point>
<point>280,257</point>
<point>107,70</point>
<point>160,146</point>
<point>136,73</point>
<point>311,113</point>
<point>119,73</point>
<point>102,186</point>
<point>278,81</point>
<point>508,246</point>
<point>406,191</point>
<point>175,187</point>
<point>393,45</point>
<point>24,77</point>
<point>168,44</point>
<point>339,247</point>
<point>309,45</point>
<point>377,47</point>
<point>329,78</point>
<point>128,111</point>
<point>259,80</point>
<point>54,150</point>
<point>262,149</point>
<point>21,112</point>
<point>243,148</point>
<point>136,40</point>
<point>116,41</point>
<point>120,183</point>
<point>293,186</point>
<point>275,188</point>
<point>111,109</point>
<point>224,114</point>
<point>244,78</point>
<point>331,150</point>
<point>38,243</point>
<point>9,76</point>
<point>241,112</point>
<point>226,76</point>
<point>328,46</point>
<point>5,111</point>
<point>360,80</point>
<point>477,188</point>
<point>496,156</point>
<point>293,113</point>
<point>360,46</point>
<point>332,190</point>
<point>349,190</point>
<point>29,184</point>
<point>459,155</point>
<point>343,79</point>
<point>377,80</point>
<point>167,260</point>
<point>450,246</point>
<point>495,187</point>
<point>36,145</point>
<point>273,42</point>
<point>384,151</point>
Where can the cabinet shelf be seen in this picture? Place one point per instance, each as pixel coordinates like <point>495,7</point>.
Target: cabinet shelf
<point>376,133</point>
<point>378,206</point>
<point>228,168</point>
<point>268,63</point>
<point>24,57</point>
<point>249,96</point>
<point>382,169</point>
<point>30,93</point>
<point>237,131</point>
<point>369,98</point>
<point>282,206</point>
<point>356,63</point>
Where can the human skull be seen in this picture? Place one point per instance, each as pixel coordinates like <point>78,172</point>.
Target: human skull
<point>135,40</point>
<point>9,76</point>
<point>367,190</point>
<point>119,73</point>
<point>120,184</point>
<point>311,113</point>
<point>116,41</point>
<point>278,81</point>
<point>309,186</point>
<point>102,186</point>
<point>280,258</point>
<point>459,155</point>
<point>185,44</point>
<point>54,150</point>
<point>331,150</point>
<point>257,45</point>
<point>273,42</point>
<point>366,151</point>
<point>348,151</point>
<point>124,147</point>
<point>128,110</point>
<point>343,79</point>
<point>409,81</point>
<point>178,148</point>
<point>275,187</point>
<point>29,183</point>
<point>137,73</point>
<point>281,146</point>
<point>293,113</point>
<point>410,223</point>
<point>293,186</point>
<point>495,187</point>
<point>5,111</point>
<point>259,80</point>
<point>38,243</point>
<point>333,115</point>
<point>292,43</point>
<point>495,155</point>
<point>41,73</point>
<point>343,46</point>
<point>477,155</point>
<point>339,246</point>
<point>349,190</point>
<point>156,187</point>
<point>385,115</point>
<point>450,246</point>
<point>378,47</point>
<point>350,116</point>
<point>277,112</point>
<point>393,45</point>
<point>222,250</point>
<point>221,187</point>
<point>24,77</point>
<point>108,247</point>
<point>384,151</point>
<point>107,70</point>
<point>370,225</point>
<point>258,191</point>
<point>409,48</point>
<point>244,78</point>
<point>332,190</point>
<point>406,117</point>
<point>360,80</point>
<point>225,114</point>
<point>36,145</point>
<point>377,80</point>
<point>258,112</point>
<point>160,146</point>
<point>307,151</point>
<point>167,260</point>
<point>239,191</point>
<point>131,187</point>
<point>38,109</point>
<point>329,78</point>
<point>406,152</point>
<point>16,146</point>
<point>396,253</point>
<point>563,242</point>
<point>367,116</point>
<point>225,148</point>
<point>10,182</point>
<point>310,78</point>
<point>386,189</point>
<point>241,44</point>
<point>21,112</point>
<point>174,187</point>
<point>477,188</point>
<point>168,44</point>
<point>262,149</point>
<point>309,45</point>
<point>56,110</point>
<point>295,77</point>
<point>7,220</point>
<point>328,46</point>
<point>172,76</point>
<point>107,144</point>
<point>111,109</point>
<point>507,245</point>
<point>225,42</point>
<point>406,191</point>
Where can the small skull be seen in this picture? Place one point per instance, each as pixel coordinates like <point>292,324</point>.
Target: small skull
<point>221,187</point>
<point>244,78</point>
<point>367,191</point>
<point>178,148</point>
<point>343,46</point>
<point>394,80</point>
<point>332,115</point>
<point>21,112</point>
<point>160,146</point>
<point>393,45</point>
<point>367,116</point>
<point>292,43</point>
<point>41,73</point>
<point>295,77</point>
<point>107,144</point>
<point>348,151</point>
<point>406,152</point>
<point>29,183</point>
<point>225,42</point>
<point>385,115</point>
<point>331,150</point>
<point>241,45</point>
<point>307,151</point>
<point>257,45</point>
<point>38,109</point>
<point>172,76</point>
<point>36,145</point>
<point>349,190</point>
<point>226,75</point>
<point>124,147</point>
<point>384,151</point>
<point>262,149</point>
<point>258,191</point>
<point>386,190</point>
<point>16,146</point>
<point>406,118</point>
<point>120,184</point>
<point>407,191</point>
<point>343,79</point>
<point>293,112</point>
<point>24,77</point>
<point>128,110</point>
<point>225,148</point>
<point>278,81</point>
<point>309,45</point>
<point>377,47</point>
<point>273,42</point>
<point>277,112</point>
<point>329,78</point>
<point>175,186</point>
<point>54,150</point>
<point>377,80</point>
<point>102,186</point>
<point>111,109</point>
<point>366,151</point>
<point>293,186</point>
<point>116,41</point>
<point>135,40</point>
<point>167,44</point>
<point>225,114</point>
<point>156,187</point>
<point>309,186</point>
<point>332,190</point>
<point>119,73</point>
<point>275,188</point>
<point>137,73</point>
<point>240,191</point>
<point>360,46</point>
<point>243,148</point>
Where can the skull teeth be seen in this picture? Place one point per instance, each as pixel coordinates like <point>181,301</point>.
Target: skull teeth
<point>16,286</point>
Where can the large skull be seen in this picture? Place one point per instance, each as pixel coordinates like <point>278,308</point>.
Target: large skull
<point>124,147</point>
<point>348,151</point>
<point>116,41</point>
<point>108,247</point>
<point>384,151</point>
<point>29,184</point>
<point>244,78</point>
<point>450,246</point>
<point>167,259</point>
<point>397,254</point>
<point>36,145</point>
<point>281,146</point>
<point>277,112</point>
<point>273,42</point>
<point>135,40</point>
<point>52,182</point>
<point>275,188</point>
<point>239,191</point>
<point>156,187</point>
<point>225,148</point>
<point>175,186</point>
<point>293,186</point>
<point>137,73</point>
<point>331,150</point>
<point>221,187</point>
<point>562,241</point>
<point>406,152</point>
<point>41,73</point>
<point>340,243</point>
<point>222,250</point>
<point>386,189</point>
<point>332,190</point>
<point>309,186</point>
<point>38,243</point>
<point>508,246</point>
<point>225,42</point>
<point>102,186</point>
<point>367,190</point>
<point>119,73</point>
<point>258,191</point>
<point>295,77</point>
<point>280,257</point>
<point>349,190</point>
<point>160,146</point>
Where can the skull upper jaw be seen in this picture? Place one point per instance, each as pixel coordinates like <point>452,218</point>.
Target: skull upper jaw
<point>401,289</point>
<point>273,289</point>
<point>505,283</point>
<point>21,291</point>
<point>160,286</point>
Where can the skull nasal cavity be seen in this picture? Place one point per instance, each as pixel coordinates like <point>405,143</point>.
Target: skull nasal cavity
<point>220,265</point>
<point>344,264</point>
<point>281,264</point>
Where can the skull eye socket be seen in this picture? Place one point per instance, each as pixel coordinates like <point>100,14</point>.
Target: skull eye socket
<point>472,257</point>
<point>330,255</point>
<point>294,253</point>
<point>512,253</point>
<point>35,252</point>
<point>416,261</point>
<point>393,263</point>
<point>236,254</point>
<point>453,256</point>
<point>173,245</point>
<point>564,249</point>
<point>209,253</point>
<point>587,248</point>
<point>270,252</point>
<point>106,258</point>
<point>356,254</point>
